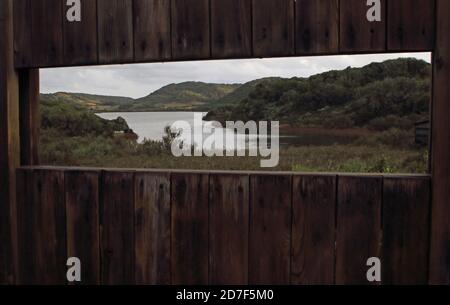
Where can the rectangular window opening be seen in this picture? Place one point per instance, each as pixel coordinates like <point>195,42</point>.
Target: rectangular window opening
<point>356,114</point>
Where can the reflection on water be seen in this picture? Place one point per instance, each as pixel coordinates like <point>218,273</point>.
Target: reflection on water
<point>150,125</point>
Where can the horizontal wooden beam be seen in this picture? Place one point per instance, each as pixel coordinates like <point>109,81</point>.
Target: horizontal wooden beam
<point>129,31</point>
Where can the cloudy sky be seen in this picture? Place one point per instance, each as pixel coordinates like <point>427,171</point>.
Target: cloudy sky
<point>139,80</point>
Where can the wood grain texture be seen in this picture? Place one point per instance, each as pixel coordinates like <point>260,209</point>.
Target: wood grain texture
<point>50,230</point>
<point>228,230</point>
<point>313,230</point>
<point>273,28</point>
<point>357,34</point>
<point>152,229</point>
<point>115,31</point>
<point>152,30</point>
<point>190,229</point>
<point>117,228</point>
<point>231,28</point>
<point>26,228</point>
<point>358,227</point>
<point>190,29</point>
<point>83,230</point>
<point>30,123</point>
<point>411,25</point>
<point>80,38</point>
<point>9,145</point>
<point>440,234</point>
<point>270,229</point>
<point>406,225</point>
<point>47,33</point>
<point>317,26</point>
<point>22,33</point>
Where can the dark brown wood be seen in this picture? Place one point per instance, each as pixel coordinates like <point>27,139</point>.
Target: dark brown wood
<point>231,28</point>
<point>228,229</point>
<point>26,226</point>
<point>117,228</point>
<point>411,25</point>
<point>406,226</point>
<point>190,29</point>
<point>152,229</point>
<point>152,39</point>
<point>358,227</point>
<point>273,28</point>
<point>313,230</point>
<point>317,26</point>
<point>50,230</point>
<point>80,38</point>
<point>46,32</point>
<point>440,234</point>
<point>115,31</point>
<point>270,229</point>
<point>190,229</point>
<point>357,34</point>
<point>9,145</point>
<point>30,123</point>
<point>82,212</point>
<point>22,33</point>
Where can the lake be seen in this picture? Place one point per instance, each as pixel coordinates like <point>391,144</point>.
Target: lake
<point>150,125</point>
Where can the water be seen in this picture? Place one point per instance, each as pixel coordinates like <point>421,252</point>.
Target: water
<point>150,125</point>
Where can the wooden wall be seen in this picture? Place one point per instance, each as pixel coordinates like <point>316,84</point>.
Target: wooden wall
<point>150,227</point>
<point>128,31</point>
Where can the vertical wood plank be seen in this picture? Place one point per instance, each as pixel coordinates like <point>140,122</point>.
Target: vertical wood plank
<point>82,213</point>
<point>317,26</point>
<point>406,217</point>
<point>80,38</point>
<point>26,228</point>
<point>30,123</point>
<point>357,34</point>
<point>273,28</point>
<point>411,25</point>
<point>358,227</point>
<point>117,228</point>
<point>440,236</point>
<point>152,229</point>
<point>313,230</point>
<point>270,229</point>
<point>190,229</point>
<point>152,39</point>
<point>231,27</point>
<point>190,29</point>
<point>9,144</point>
<point>50,232</point>
<point>229,221</point>
<point>22,33</point>
<point>115,31</point>
<point>47,33</point>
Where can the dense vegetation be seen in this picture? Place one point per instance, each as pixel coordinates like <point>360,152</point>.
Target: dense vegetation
<point>379,96</point>
<point>358,120</point>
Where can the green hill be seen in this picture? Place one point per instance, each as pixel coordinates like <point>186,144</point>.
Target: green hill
<point>183,96</point>
<point>394,93</point>
<point>175,97</point>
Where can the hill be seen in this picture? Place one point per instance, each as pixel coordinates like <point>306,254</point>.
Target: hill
<point>185,96</point>
<point>394,93</point>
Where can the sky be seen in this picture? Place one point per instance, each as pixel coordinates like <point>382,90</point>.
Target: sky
<point>138,80</point>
